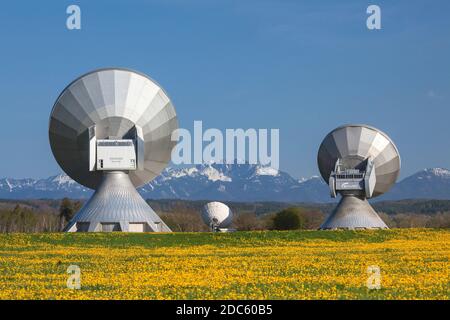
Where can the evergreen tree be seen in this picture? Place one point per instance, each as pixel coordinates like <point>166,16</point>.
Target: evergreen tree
<point>67,210</point>
<point>287,219</point>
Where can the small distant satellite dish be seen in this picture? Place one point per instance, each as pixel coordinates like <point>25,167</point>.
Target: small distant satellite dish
<point>217,216</point>
<point>110,130</point>
<point>358,162</point>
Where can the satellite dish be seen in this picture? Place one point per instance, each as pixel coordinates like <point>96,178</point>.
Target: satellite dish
<point>110,130</point>
<point>359,162</point>
<point>217,215</point>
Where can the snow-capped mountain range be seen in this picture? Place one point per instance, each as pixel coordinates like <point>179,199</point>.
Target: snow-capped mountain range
<point>230,182</point>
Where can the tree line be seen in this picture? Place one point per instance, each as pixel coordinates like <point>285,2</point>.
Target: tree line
<point>184,216</point>
<point>25,218</point>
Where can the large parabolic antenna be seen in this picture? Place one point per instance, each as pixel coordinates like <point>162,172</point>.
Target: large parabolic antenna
<point>110,130</point>
<point>359,162</point>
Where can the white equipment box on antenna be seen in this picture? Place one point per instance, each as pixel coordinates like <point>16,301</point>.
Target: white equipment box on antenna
<point>116,154</point>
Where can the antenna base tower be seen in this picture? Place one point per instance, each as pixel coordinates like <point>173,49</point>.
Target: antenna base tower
<point>352,213</point>
<point>116,206</point>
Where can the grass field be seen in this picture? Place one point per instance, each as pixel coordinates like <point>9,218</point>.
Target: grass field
<point>414,264</point>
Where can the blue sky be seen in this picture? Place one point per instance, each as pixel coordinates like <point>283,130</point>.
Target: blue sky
<point>305,67</point>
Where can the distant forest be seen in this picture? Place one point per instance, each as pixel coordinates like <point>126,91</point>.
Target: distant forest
<point>183,216</point>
